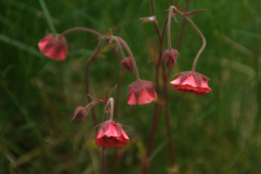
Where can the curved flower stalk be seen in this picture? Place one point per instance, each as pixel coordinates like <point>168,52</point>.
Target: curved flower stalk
<point>192,81</point>
<point>55,46</point>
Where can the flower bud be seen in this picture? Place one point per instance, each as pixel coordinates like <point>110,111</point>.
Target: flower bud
<point>79,114</point>
<point>127,64</point>
<point>170,56</point>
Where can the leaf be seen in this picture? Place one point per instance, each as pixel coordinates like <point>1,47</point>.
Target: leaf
<point>109,90</point>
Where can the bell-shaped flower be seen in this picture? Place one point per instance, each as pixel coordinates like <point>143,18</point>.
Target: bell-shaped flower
<point>53,48</point>
<point>192,82</point>
<point>141,92</point>
<point>111,134</point>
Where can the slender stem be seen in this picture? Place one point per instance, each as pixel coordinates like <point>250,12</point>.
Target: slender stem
<point>157,108</point>
<point>165,95</point>
<point>80,29</point>
<point>111,102</point>
<point>90,105</point>
<point>199,32</point>
<point>131,55</point>
<point>117,99</point>
<point>48,17</point>
<point>120,47</point>
<point>182,27</point>
<point>104,166</point>
<point>161,37</point>
<point>94,55</point>
<point>169,22</point>
<point>180,35</point>
<point>104,171</point>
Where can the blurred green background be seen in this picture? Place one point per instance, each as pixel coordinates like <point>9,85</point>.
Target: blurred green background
<point>217,133</point>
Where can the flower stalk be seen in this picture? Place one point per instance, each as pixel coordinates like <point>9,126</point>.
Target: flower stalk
<point>199,32</point>
<point>125,45</point>
<point>80,29</point>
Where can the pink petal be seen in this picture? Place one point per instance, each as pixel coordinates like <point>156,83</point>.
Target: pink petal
<point>190,81</point>
<point>176,81</point>
<point>42,44</point>
<point>145,98</point>
<point>61,55</point>
<point>131,99</point>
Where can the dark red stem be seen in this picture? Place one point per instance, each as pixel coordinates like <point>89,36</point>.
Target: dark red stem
<point>157,108</point>
<point>169,23</point>
<point>80,29</point>
<point>201,35</point>
<point>180,33</point>
<point>125,45</point>
<point>165,95</point>
<point>94,55</point>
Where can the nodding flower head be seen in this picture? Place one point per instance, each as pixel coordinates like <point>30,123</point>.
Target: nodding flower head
<point>192,82</point>
<point>53,48</point>
<point>170,56</point>
<point>79,114</point>
<point>127,64</point>
<point>111,134</point>
<point>141,92</point>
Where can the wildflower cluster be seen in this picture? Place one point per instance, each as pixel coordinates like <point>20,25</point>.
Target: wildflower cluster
<point>111,132</point>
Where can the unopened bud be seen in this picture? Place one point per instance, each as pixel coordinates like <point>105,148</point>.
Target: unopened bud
<point>79,114</point>
<point>127,64</point>
<point>170,56</point>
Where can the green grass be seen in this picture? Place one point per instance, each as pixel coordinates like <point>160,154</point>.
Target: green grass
<point>217,133</point>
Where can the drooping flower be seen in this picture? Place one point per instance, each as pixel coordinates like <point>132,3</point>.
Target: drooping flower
<point>170,56</point>
<point>53,48</point>
<point>141,92</point>
<point>111,134</point>
<point>192,82</point>
<point>127,64</point>
<point>79,114</point>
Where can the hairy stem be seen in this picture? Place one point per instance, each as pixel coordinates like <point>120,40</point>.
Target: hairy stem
<point>165,95</point>
<point>131,55</point>
<point>182,27</point>
<point>180,34</point>
<point>199,32</point>
<point>111,103</point>
<point>157,108</point>
<point>169,22</point>
<point>80,29</point>
<point>94,55</point>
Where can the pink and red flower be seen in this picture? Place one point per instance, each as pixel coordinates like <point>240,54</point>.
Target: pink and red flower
<point>54,48</point>
<point>111,134</point>
<point>141,92</point>
<point>192,82</point>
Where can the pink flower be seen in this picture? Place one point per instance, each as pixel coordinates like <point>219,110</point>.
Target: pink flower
<point>191,82</point>
<point>141,92</point>
<point>54,48</point>
<point>111,134</point>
